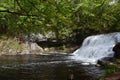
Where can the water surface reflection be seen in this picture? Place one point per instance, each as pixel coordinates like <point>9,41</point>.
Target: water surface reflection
<point>46,67</point>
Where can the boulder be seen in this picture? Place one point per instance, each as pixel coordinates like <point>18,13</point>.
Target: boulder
<point>105,61</point>
<point>116,49</point>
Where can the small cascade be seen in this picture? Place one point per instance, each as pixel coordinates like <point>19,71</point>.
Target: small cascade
<point>97,47</point>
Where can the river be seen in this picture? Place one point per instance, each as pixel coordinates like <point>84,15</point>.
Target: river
<point>46,67</point>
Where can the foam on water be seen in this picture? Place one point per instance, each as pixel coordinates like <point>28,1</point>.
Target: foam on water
<point>97,47</point>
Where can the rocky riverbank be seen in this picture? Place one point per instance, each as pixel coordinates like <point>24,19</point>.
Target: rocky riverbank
<point>14,47</point>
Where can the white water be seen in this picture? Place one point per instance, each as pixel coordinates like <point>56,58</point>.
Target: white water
<point>97,47</point>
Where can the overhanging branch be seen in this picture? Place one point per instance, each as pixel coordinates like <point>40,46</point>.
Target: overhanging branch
<point>18,13</point>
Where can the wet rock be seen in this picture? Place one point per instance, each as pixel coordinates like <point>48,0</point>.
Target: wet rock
<point>109,60</point>
<point>97,65</point>
<point>105,61</point>
<point>116,49</point>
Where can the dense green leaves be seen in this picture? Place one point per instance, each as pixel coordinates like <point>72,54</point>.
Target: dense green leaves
<point>63,17</point>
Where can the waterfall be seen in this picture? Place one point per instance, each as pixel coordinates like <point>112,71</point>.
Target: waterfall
<point>97,47</point>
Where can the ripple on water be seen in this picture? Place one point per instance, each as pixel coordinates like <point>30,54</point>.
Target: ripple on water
<point>33,68</point>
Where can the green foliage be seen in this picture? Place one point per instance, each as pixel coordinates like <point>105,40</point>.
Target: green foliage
<point>97,15</point>
<point>111,69</point>
<point>59,16</point>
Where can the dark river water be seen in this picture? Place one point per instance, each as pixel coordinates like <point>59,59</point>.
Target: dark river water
<point>46,67</point>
